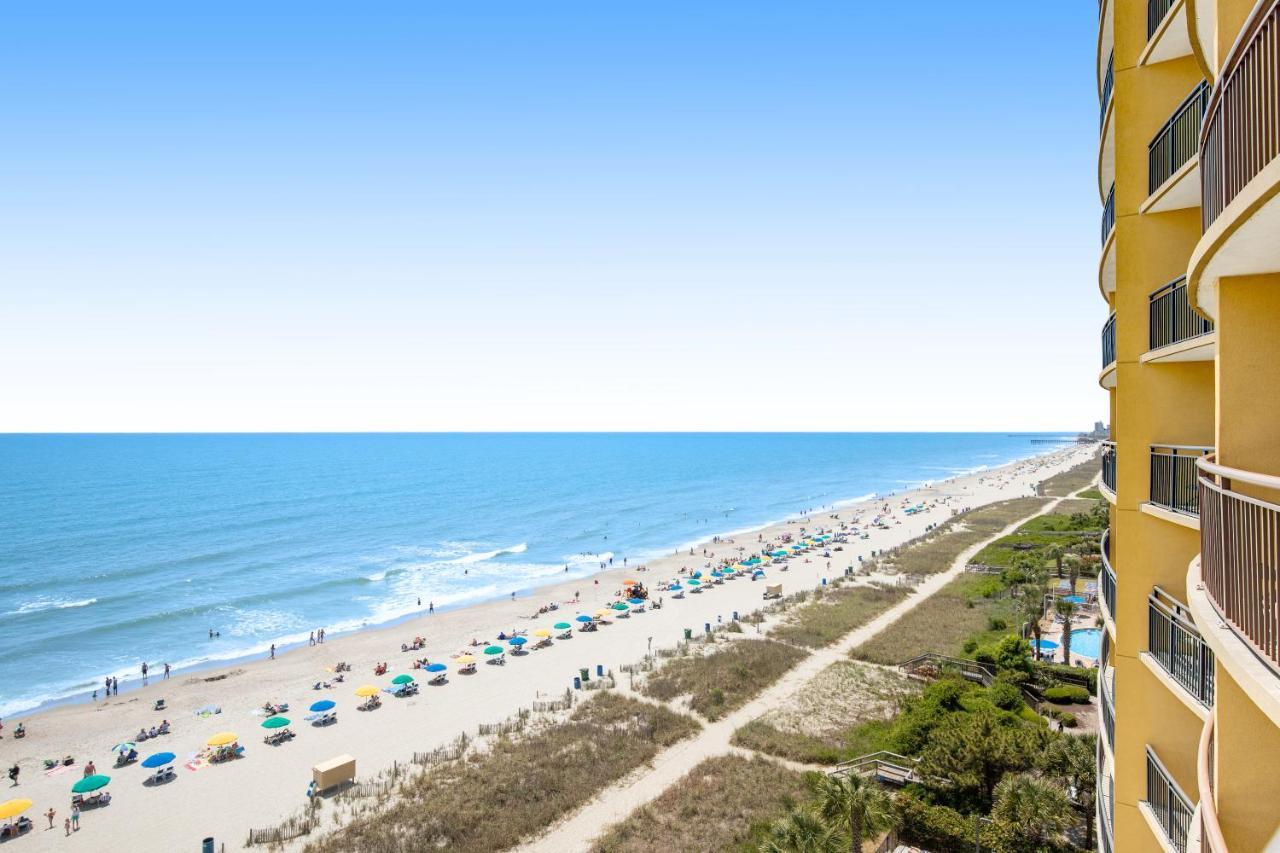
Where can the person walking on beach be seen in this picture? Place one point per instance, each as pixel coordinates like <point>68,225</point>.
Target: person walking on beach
<point>273,651</point>
<point>144,673</point>
<point>166,671</point>
<point>75,817</point>
<point>13,774</point>
<point>312,638</point>
<point>431,607</point>
<point>51,814</point>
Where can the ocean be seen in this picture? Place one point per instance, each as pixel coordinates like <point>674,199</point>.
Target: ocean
<point>115,549</point>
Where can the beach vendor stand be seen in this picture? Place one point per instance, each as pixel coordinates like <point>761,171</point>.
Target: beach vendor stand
<point>339,770</point>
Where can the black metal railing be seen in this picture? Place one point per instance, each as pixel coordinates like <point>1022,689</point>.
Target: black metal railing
<point>1109,214</point>
<point>1109,465</point>
<point>1109,341</point>
<point>1106,691</point>
<point>1156,10</point>
<point>1174,642</point>
<point>1176,142</point>
<point>1171,807</point>
<point>1108,577</point>
<point>1108,83</point>
<point>1174,480</point>
<point>1104,802</point>
<point>1172,319</point>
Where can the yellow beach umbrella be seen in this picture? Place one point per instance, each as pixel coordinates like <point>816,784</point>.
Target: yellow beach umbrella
<point>466,659</point>
<point>13,808</point>
<point>600,614</point>
<point>222,739</point>
<point>366,690</point>
<point>542,632</point>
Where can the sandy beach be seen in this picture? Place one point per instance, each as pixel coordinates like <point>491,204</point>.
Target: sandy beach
<point>268,783</point>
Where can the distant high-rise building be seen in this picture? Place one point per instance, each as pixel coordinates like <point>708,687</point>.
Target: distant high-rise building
<point>1189,180</point>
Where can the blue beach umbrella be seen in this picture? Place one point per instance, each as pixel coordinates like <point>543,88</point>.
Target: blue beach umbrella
<point>323,705</point>
<point>635,601</point>
<point>584,618</point>
<point>436,667</point>
<point>517,641</point>
<point>675,587</point>
<point>160,759</point>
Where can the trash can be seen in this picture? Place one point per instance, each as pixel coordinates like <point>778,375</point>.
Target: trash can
<point>585,674</point>
<point>599,670</point>
<point>735,616</point>
<point>706,627</point>
<point>688,633</point>
<point>577,683</point>
<point>824,581</point>
<point>206,846</point>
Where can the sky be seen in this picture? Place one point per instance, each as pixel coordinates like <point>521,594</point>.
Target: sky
<point>549,216</point>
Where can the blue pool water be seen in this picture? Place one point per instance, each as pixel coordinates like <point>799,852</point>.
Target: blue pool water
<point>115,549</point>
<point>1086,642</point>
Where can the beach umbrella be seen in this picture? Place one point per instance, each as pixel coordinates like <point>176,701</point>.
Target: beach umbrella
<point>517,641</point>
<point>620,607</point>
<point>124,748</point>
<point>160,759</point>
<point>542,632</point>
<point>322,705</point>
<point>716,573</point>
<point>675,587</point>
<point>222,739</point>
<point>436,667</point>
<point>273,723</point>
<point>694,582</point>
<point>493,650</point>
<point>366,690</point>
<point>466,660</point>
<point>584,618</point>
<point>402,679</point>
<point>13,808</point>
<point>90,783</point>
<point>629,582</point>
<point>562,626</point>
<point>600,614</point>
<point>636,602</point>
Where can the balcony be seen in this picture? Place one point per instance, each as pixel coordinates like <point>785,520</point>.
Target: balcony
<point>1156,11</point>
<point>1107,264</point>
<point>1171,157</point>
<point>1108,84</point>
<point>1240,135</point>
<point>1175,644</point>
<point>1109,467</point>
<point>1211,840</point>
<point>1107,378</point>
<point>1167,806</point>
<point>1106,697</point>
<point>1168,33</point>
<point>1175,332</point>
<point>1240,557</point>
<point>1109,214</point>
<point>1105,805</point>
<point>1108,580</point>
<point>1174,478</point>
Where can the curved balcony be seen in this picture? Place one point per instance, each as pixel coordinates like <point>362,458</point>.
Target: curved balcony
<point>1210,832</point>
<point>1172,179</point>
<point>1166,805</point>
<point>1174,479</point>
<point>1167,34</point>
<point>1175,332</point>
<point>1107,378</point>
<point>1107,580</point>
<point>1109,214</point>
<point>1175,644</point>
<point>1239,167</point>
<point>1106,695</point>
<point>1109,470</point>
<point>1240,556</point>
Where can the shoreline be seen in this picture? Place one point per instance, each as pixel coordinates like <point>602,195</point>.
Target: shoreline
<point>131,681</point>
<point>269,782</point>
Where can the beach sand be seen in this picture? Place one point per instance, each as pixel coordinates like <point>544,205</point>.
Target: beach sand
<point>269,783</point>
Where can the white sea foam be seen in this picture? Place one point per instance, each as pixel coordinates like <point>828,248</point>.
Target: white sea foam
<point>50,604</point>
<point>481,556</point>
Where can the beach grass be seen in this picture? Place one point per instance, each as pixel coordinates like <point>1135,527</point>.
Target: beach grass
<point>939,549</point>
<point>722,680</point>
<point>726,803</point>
<point>843,712</point>
<point>943,622</point>
<point>1071,480</point>
<point>833,613</point>
<point>522,784</point>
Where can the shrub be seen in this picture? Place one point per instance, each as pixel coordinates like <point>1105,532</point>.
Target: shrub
<point>1067,694</point>
<point>931,827</point>
<point>1048,673</point>
<point>995,623</point>
<point>1067,719</point>
<point>970,646</point>
<point>1005,696</point>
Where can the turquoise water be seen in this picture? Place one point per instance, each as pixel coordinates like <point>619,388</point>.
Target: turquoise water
<point>1086,642</point>
<point>124,548</point>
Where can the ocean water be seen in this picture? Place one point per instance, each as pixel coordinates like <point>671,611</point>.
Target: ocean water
<point>115,549</point>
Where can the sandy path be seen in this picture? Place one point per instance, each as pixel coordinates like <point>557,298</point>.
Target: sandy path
<point>617,802</point>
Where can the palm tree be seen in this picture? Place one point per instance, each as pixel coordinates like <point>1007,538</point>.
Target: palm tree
<point>1074,562</point>
<point>1071,761</point>
<point>1056,553</point>
<point>1033,610</point>
<point>802,832</point>
<point>854,802</point>
<point>1030,814</point>
<point>1066,610</point>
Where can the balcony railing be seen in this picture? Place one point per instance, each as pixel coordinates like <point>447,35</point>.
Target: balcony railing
<point>1156,10</point>
<point>1240,556</point>
<point>1211,840</point>
<point>1109,341</point>
<point>1105,802</point>
<point>1240,133</point>
<point>1172,319</point>
<point>1168,803</point>
<point>1108,83</point>
<point>1176,142</point>
<point>1108,577</point>
<point>1173,477</point>
<point>1106,688</point>
<point>1109,465</point>
<point>1109,215</point>
<point>1174,642</point>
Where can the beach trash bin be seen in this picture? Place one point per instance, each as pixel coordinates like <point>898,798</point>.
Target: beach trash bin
<point>206,846</point>
<point>688,633</point>
<point>599,670</point>
<point>824,581</point>
<point>735,616</point>
<point>585,674</point>
<point>706,627</point>
<point>577,683</point>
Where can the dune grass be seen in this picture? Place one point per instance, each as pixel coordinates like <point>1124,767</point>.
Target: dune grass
<point>725,679</point>
<point>1071,480</point>
<point>944,622</point>
<point>726,803</point>
<point>834,613</point>
<point>493,800</point>
<point>939,549</point>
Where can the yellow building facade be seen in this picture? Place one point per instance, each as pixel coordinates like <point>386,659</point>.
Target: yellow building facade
<point>1189,181</point>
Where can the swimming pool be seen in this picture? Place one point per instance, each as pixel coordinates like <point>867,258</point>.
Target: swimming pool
<point>1086,642</point>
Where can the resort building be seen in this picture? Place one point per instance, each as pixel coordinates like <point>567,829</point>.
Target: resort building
<point>1189,182</point>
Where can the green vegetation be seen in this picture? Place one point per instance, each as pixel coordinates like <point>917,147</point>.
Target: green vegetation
<point>831,615</point>
<point>1091,494</point>
<point>726,803</point>
<point>722,680</point>
<point>936,552</point>
<point>1067,694</point>
<point>840,714</point>
<point>1072,480</point>
<point>521,785</point>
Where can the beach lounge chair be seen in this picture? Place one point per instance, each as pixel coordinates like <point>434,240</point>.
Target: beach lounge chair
<point>544,643</point>
<point>162,775</point>
<point>469,669</point>
<point>439,679</point>
<point>565,635</point>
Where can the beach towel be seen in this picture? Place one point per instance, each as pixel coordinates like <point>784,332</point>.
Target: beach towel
<point>60,769</point>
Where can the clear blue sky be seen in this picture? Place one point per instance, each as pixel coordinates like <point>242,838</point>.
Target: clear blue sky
<point>549,215</point>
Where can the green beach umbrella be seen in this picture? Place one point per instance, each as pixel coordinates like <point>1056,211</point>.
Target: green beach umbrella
<point>620,607</point>
<point>402,679</point>
<point>493,650</point>
<point>562,626</point>
<point>90,783</point>
<point>275,723</point>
